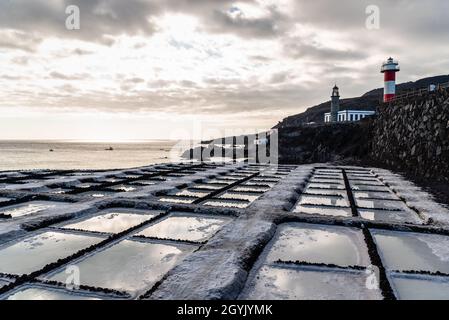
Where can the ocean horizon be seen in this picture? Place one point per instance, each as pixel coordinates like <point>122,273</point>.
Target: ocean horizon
<point>87,154</point>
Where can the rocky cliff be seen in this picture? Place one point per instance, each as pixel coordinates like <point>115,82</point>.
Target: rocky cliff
<point>323,143</point>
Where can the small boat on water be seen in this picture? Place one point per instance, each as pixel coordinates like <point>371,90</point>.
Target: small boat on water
<point>109,149</point>
<point>51,150</point>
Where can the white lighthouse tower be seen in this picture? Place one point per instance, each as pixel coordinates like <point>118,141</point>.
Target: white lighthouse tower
<point>389,69</point>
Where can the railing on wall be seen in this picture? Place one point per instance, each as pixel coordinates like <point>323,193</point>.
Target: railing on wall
<point>420,92</point>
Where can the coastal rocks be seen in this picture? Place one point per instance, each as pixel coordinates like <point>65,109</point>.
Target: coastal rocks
<point>323,143</point>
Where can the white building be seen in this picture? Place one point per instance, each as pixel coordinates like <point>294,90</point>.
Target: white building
<point>345,115</point>
<point>349,115</point>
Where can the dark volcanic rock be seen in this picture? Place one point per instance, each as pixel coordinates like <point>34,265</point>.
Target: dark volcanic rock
<point>324,143</point>
<point>413,136</point>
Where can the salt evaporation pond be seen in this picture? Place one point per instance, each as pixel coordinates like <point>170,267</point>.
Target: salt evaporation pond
<point>315,185</point>
<point>413,251</point>
<point>130,266</point>
<point>375,195</point>
<point>325,192</point>
<point>47,294</point>
<point>324,200</point>
<point>369,188</point>
<point>2,199</point>
<point>276,283</point>
<point>391,216</point>
<point>238,196</point>
<point>97,194</point>
<point>381,204</point>
<point>322,210</point>
<point>115,221</point>
<point>189,228</point>
<point>179,200</point>
<point>227,203</point>
<point>420,287</point>
<point>319,244</point>
<point>3,283</point>
<point>32,254</point>
<point>189,193</point>
<point>31,207</point>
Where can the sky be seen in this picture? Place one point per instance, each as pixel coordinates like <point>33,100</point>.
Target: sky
<point>181,69</point>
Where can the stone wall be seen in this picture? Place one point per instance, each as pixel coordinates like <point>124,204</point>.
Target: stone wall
<point>413,136</point>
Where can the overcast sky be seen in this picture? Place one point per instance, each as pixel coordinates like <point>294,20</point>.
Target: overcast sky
<point>142,69</point>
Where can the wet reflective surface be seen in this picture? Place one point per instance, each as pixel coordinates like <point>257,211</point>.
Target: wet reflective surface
<point>309,284</point>
<point>413,251</point>
<point>324,200</point>
<point>319,244</point>
<point>47,294</point>
<point>386,215</point>
<point>174,199</point>
<point>420,287</point>
<point>129,265</point>
<point>35,252</point>
<point>325,211</point>
<point>191,228</point>
<point>226,204</point>
<point>29,208</point>
<point>112,222</point>
<point>316,185</point>
<point>381,204</point>
<point>375,195</point>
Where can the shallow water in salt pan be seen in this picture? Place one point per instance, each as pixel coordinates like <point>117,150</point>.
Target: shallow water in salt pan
<point>324,211</point>
<point>325,192</point>
<point>131,266</point>
<point>227,203</point>
<point>370,188</point>
<point>324,200</point>
<point>177,200</point>
<point>251,189</point>
<point>191,228</point>
<point>316,185</point>
<point>273,283</point>
<point>28,208</point>
<point>47,294</point>
<point>319,244</point>
<point>189,193</point>
<point>112,222</point>
<point>381,204</point>
<point>31,254</point>
<point>413,251</point>
<point>375,195</point>
<point>4,199</point>
<point>238,196</point>
<point>390,216</point>
<point>417,287</point>
<point>3,283</point>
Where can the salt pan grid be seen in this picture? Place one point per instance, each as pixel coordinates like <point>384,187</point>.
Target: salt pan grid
<point>155,231</point>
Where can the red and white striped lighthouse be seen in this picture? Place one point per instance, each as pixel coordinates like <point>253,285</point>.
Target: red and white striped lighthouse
<point>389,69</point>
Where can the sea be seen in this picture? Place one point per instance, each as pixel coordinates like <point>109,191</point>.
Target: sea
<point>28,155</point>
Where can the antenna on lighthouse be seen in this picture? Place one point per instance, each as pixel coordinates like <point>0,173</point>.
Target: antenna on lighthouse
<point>389,69</point>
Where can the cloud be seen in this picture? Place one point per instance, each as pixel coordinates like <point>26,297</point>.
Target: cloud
<point>18,40</point>
<point>267,57</point>
<point>99,18</point>
<point>237,23</point>
<point>69,77</point>
<point>81,52</point>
